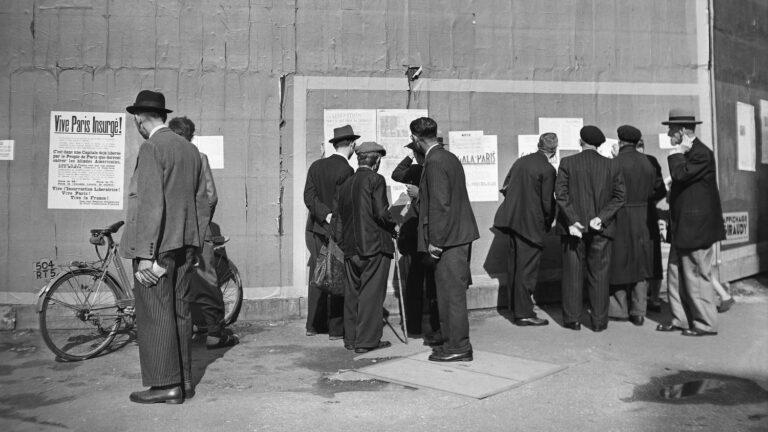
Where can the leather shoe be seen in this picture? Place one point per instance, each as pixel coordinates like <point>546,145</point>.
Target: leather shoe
<point>223,341</point>
<point>725,305</point>
<point>382,344</point>
<point>637,320</point>
<point>171,395</point>
<point>534,321</point>
<point>573,325</point>
<point>189,390</point>
<point>349,347</point>
<point>597,328</point>
<point>668,328</point>
<point>442,356</point>
<point>311,333</point>
<point>697,332</point>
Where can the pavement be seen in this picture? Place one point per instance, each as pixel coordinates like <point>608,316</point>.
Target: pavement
<point>277,379</point>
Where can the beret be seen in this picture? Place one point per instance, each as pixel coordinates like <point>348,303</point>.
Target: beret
<point>592,135</point>
<point>370,147</point>
<point>629,133</point>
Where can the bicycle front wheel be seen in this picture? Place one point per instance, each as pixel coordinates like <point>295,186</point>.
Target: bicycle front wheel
<point>231,289</point>
<point>80,314</point>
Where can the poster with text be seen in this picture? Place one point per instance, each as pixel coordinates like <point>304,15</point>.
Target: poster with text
<point>664,142</point>
<point>610,148</point>
<point>478,155</point>
<point>393,132</point>
<point>567,130</point>
<point>764,131</point>
<point>213,148</point>
<point>736,227</point>
<point>363,122</point>
<point>745,128</point>
<point>86,160</point>
<point>6,149</point>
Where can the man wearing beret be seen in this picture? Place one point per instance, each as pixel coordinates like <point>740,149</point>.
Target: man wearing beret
<point>447,228</point>
<point>161,236</point>
<point>325,312</point>
<point>526,215</point>
<point>632,257</point>
<point>696,218</point>
<point>589,190</point>
<point>364,229</point>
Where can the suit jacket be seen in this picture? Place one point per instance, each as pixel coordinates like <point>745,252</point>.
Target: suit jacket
<point>653,212</point>
<point>363,224</point>
<point>588,185</point>
<point>162,209</point>
<point>694,201</point>
<point>445,214</point>
<point>323,179</point>
<point>632,256</point>
<point>206,193</point>
<point>529,200</point>
<point>407,172</point>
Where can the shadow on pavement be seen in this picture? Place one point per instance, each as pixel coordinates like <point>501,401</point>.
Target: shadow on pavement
<point>692,387</point>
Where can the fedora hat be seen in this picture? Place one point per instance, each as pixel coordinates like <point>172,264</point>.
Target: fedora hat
<point>147,100</point>
<point>343,133</point>
<point>681,116</point>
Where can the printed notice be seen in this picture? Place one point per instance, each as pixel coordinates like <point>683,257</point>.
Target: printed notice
<point>764,131</point>
<point>745,128</point>
<point>212,147</point>
<point>567,130</point>
<point>86,160</point>
<point>393,132</point>
<point>664,142</point>
<point>736,227</point>
<point>6,149</point>
<point>478,155</point>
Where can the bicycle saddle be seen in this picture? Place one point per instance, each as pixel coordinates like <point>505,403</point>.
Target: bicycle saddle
<point>108,230</point>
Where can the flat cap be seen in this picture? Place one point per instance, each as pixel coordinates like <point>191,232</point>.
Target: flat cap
<point>592,135</point>
<point>370,147</point>
<point>629,133</point>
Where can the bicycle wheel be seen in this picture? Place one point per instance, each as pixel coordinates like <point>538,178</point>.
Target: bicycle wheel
<point>80,315</point>
<point>231,288</point>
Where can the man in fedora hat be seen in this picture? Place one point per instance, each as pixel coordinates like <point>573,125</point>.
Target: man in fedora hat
<point>589,191</point>
<point>696,217</point>
<point>364,230</point>
<point>161,236</point>
<point>325,312</point>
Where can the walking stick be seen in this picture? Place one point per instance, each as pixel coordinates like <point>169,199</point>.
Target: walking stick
<point>400,304</point>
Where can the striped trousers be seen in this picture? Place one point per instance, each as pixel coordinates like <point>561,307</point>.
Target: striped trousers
<point>595,252</point>
<point>164,321</point>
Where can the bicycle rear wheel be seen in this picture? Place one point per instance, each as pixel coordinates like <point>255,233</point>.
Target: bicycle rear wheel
<point>80,314</point>
<point>231,287</point>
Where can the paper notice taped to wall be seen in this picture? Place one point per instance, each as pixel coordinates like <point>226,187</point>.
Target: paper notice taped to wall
<point>736,227</point>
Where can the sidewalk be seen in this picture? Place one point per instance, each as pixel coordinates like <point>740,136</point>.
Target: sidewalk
<point>278,379</point>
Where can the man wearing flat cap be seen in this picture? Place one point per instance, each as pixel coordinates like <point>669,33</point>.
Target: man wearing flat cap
<point>632,257</point>
<point>526,215</point>
<point>161,236</point>
<point>589,190</point>
<point>364,229</point>
<point>696,217</point>
<point>447,228</point>
<point>325,312</point>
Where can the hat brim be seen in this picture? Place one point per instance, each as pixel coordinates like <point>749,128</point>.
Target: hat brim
<point>671,122</point>
<point>135,109</point>
<point>342,138</point>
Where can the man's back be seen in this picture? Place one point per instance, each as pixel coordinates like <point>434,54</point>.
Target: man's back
<point>363,209</point>
<point>323,179</point>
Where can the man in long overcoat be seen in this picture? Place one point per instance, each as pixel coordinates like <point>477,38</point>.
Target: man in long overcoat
<point>632,257</point>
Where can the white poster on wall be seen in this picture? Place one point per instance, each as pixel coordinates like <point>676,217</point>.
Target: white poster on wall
<point>764,131</point>
<point>610,148</point>
<point>736,227</point>
<point>567,130</point>
<point>213,148</point>
<point>664,142</point>
<point>363,122</point>
<point>86,160</point>
<point>6,149</point>
<point>393,132</point>
<point>478,155</point>
<point>745,129</point>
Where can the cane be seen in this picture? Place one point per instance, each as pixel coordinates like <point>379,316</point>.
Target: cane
<point>400,303</point>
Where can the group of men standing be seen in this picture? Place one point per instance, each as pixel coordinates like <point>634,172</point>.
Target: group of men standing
<point>353,209</point>
<point>609,234</point>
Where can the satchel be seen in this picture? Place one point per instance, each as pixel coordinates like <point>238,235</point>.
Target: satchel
<point>330,275</point>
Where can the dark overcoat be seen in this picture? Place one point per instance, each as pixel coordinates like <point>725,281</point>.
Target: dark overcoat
<point>694,201</point>
<point>323,179</point>
<point>632,256</point>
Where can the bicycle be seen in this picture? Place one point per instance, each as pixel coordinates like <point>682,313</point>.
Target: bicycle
<point>81,310</point>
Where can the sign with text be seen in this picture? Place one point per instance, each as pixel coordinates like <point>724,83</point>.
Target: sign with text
<point>6,149</point>
<point>478,155</point>
<point>86,160</point>
<point>736,227</point>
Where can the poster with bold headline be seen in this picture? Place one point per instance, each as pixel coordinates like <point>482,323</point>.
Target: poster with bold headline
<point>736,227</point>
<point>478,155</point>
<point>86,160</point>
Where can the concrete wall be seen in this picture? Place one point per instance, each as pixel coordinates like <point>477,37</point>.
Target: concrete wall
<point>260,73</point>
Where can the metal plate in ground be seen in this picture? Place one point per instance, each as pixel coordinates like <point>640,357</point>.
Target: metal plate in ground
<point>487,375</point>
